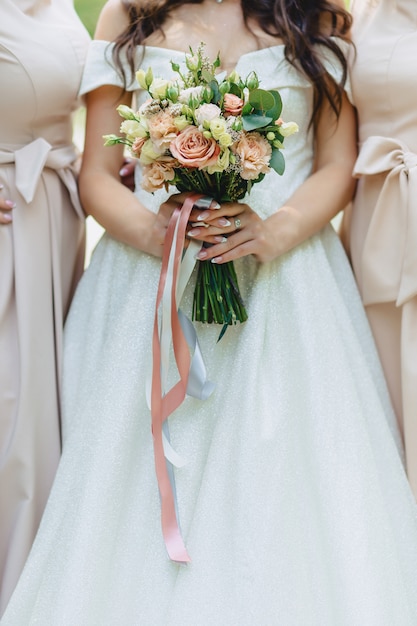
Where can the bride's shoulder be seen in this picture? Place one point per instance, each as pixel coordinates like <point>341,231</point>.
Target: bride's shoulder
<point>112,21</point>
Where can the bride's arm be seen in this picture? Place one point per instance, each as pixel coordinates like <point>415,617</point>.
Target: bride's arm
<point>326,192</point>
<point>102,194</point>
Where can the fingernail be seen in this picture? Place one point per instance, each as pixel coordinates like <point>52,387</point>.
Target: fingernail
<point>10,203</point>
<point>219,239</point>
<point>7,217</point>
<point>1,186</point>
<point>201,255</point>
<point>203,216</point>
<point>224,222</point>
<point>194,233</point>
<point>199,224</point>
<point>215,205</point>
<point>217,259</point>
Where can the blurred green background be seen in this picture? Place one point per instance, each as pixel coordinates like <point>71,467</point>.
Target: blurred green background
<point>88,11</point>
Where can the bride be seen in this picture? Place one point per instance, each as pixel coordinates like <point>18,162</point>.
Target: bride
<point>293,504</point>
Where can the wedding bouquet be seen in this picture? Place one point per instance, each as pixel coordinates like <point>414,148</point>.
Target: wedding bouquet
<point>214,136</point>
<point>210,134</point>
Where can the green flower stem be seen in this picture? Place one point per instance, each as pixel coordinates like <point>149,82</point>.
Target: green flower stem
<point>217,299</point>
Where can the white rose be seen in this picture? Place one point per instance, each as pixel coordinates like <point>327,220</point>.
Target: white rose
<point>192,92</point>
<point>206,113</point>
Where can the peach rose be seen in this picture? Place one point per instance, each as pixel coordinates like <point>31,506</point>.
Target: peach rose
<point>192,149</point>
<point>255,153</point>
<point>156,175</point>
<point>232,104</point>
<point>162,129</point>
<point>137,146</point>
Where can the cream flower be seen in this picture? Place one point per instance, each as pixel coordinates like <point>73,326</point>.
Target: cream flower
<point>158,88</point>
<point>207,113</point>
<point>158,174</point>
<point>218,127</point>
<point>225,140</point>
<point>181,122</point>
<point>288,128</point>
<point>222,163</point>
<point>149,153</point>
<point>141,79</point>
<point>196,93</point>
<point>162,129</point>
<point>132,129</point>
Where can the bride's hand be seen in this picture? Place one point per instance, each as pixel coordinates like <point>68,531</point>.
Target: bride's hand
<point>177,200</point>
<point>157,229</point>
<point>235,230</point>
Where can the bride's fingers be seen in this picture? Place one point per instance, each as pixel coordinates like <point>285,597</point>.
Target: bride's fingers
<point>225,225</point>
<point>218,226</point>
<point>248,236</point>
<point>213,213</point>
<point>227,249</point>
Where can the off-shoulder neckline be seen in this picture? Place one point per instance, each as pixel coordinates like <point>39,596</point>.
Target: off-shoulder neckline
<point>170,51</point>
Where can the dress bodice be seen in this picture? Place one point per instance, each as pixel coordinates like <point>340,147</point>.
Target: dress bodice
<point>42,53</point>
<point>384,75</point>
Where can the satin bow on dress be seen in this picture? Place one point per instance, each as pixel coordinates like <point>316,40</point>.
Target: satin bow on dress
<point>30,160</point>
<point>389,264</point>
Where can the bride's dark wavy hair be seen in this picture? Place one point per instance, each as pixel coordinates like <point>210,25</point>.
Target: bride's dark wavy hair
<point>300,24</point>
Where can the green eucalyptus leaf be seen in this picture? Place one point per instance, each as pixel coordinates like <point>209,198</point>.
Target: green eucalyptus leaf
<point>277,161</point>
<point>247,109</point>
<point>252,122</point>
<point>214,86</point>
<point>261,100</point>
<point>275,111</point>
<point>235,90</point>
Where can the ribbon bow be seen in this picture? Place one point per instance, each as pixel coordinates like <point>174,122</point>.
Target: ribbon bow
<point>30,160</point>
<point>389,265</point>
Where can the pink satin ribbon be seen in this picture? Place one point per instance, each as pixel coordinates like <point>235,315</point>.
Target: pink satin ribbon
<point>164,404</point>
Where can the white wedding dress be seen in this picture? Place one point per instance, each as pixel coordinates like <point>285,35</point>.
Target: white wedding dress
<point>294,504</point>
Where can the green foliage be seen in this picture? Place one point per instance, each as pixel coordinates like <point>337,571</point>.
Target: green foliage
<point>89,10</point>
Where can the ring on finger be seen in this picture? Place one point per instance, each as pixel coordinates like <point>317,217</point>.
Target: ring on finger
<point>238,222</point>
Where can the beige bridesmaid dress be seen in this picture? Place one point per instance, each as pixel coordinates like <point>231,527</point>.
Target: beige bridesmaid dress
<point>42,52</point>
<point>382,235</point>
